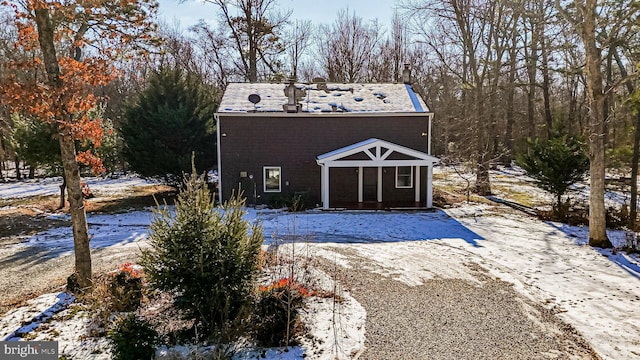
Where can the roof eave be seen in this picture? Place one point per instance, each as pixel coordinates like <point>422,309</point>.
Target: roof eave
<point>308,114</point>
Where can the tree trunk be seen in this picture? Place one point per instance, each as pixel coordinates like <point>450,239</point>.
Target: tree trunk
<point>597,212</point>
<point>32,172</point>
<point>546,85</point>
<point>253,51</point>
<point>16,161</point>
<point>63,188</point>
<point>511,89</point>
<point>3,152</point>
<point>633,204</point>
<point>532,67</point>
<point>607,104</point>
<point>68,152</point>
<point>483,184</point>
<point>77,210</point>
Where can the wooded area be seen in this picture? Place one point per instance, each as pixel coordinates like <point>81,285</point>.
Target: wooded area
<point>496,73</point>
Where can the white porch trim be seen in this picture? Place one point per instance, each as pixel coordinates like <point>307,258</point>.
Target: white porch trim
<point>376,154</point>
<point>379,197</point>
<point>417,184</point>
<point>360,183</point>
<point>429,186</point>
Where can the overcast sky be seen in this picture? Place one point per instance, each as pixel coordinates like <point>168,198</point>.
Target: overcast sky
<point>189,12</point>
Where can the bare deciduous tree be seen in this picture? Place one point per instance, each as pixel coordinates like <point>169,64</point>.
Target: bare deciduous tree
<point>254,27</point>
<point>346,47</point>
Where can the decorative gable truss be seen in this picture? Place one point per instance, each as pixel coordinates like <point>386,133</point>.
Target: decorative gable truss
<point>375,152</point>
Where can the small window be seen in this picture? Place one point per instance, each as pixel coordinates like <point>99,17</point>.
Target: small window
<point>272,179</point>
<point>404,176</point>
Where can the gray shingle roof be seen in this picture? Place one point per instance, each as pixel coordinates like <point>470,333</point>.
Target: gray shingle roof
<point>357,98</point>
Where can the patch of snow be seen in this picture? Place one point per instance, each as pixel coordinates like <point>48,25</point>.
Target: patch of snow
<point>37,311</point>
<point>127,230</point>
<point>596,293</point>
<point>51,186</point>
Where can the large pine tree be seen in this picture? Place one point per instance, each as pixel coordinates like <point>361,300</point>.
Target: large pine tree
<point>171,119</point>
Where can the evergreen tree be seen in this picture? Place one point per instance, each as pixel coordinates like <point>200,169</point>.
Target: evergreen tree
<point>36,144</point>
<point>556,163</point>
<point>208,257</point>
<point>171,119</point>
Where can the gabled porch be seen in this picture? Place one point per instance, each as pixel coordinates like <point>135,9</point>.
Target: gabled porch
<point>386,175</point>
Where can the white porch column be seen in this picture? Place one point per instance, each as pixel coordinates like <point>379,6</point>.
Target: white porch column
<point>360,184</point>
<point>429,138</point>
<point>417,182</point>
<point>379,183</point>
<point>429,185</point>
<point>325,187</point>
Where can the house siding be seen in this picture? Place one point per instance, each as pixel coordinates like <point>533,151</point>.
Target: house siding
<point>292,142</point>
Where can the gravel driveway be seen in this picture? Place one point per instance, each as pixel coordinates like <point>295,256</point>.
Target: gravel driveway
<point>454,318</point>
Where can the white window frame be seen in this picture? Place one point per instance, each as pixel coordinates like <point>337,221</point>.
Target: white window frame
<point>410,178</point>
<point>264,179</point>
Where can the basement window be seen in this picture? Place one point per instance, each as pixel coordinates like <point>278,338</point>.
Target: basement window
<point>271,177</point>
<point>404,177</point>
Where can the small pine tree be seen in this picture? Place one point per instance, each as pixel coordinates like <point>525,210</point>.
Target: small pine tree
<point>556,164</point>
<point>205,255</point>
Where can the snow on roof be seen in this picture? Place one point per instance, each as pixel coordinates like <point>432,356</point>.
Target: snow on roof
<point>357,98</point>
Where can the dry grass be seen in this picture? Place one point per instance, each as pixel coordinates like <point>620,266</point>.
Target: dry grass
<point>42,202</point>
<point>517,196</point>
<point>27,216</point>
<point>138,197</point>
<point>23,221</point>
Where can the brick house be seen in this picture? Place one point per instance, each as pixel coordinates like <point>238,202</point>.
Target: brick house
<point>339,145</point>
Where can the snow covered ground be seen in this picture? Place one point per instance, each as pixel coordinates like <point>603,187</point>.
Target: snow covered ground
<point>51,186</point>
<point>596,291</point>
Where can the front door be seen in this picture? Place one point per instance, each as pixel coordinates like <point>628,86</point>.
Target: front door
<point>248,187</point>
<point>369,184</point>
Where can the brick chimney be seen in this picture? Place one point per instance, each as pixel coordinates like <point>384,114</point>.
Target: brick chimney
<point>406,74</point>
<point>292,105</point>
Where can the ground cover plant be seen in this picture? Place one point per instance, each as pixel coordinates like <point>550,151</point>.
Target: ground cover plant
<point>276,315</point>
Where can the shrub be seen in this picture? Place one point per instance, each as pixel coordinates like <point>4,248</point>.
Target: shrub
<point>207,257</point>
<point>297,202</point>
<point>125,288</point>
<point>556,164</point>
<point>132,338</point>
<point>276,312</point>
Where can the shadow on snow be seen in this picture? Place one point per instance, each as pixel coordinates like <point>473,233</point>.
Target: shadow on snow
<point>64,299</point>
<point>580,234</point>
<point>364,227</point>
